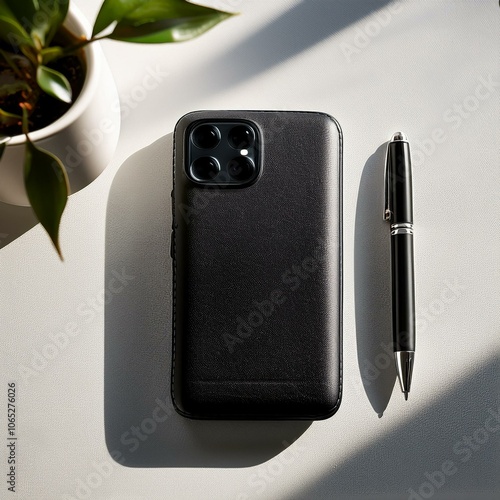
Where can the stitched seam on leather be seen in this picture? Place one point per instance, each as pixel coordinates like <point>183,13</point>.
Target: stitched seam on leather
<point>341,263</point>
<point>174,270</point>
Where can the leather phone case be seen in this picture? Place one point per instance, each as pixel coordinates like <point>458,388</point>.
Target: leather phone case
<point>257,318</point>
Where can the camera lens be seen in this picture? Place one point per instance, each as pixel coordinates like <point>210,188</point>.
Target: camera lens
<point>205,168</point>
<point>241,168</point>
<point>206,136</point>
<point>241,137</point>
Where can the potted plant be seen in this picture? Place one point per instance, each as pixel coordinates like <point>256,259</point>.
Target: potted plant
<point>51,91</point>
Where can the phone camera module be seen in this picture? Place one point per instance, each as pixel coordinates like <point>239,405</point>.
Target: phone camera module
<point>241,137</point>
<point>223,153</point>
<point>241,169</point>
<point>205,168</point>
<point>206,136</point>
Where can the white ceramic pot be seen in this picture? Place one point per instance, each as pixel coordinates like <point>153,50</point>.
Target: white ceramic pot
<point>84,138</point>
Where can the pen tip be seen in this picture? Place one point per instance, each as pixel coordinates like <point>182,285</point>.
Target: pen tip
<point>399,136</point>
<point>406,396</point>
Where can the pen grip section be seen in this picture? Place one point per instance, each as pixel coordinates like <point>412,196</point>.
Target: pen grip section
<point>403,292</point>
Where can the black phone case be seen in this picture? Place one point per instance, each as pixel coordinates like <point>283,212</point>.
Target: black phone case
<point>257,310</point>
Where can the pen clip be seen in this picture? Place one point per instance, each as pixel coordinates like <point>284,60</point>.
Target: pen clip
<point>397,137</point>
<point>387,191</point>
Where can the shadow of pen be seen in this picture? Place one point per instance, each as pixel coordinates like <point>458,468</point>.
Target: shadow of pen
<point>372,286</point>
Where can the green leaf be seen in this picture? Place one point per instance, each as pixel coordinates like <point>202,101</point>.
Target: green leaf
<point>47,188</point>
<point>41,18</point>
<point>11,30</point>
<point>7,89</point>
<point>113,10</point>
<point>3,143</point>
<point>23,10</point>
<point>54,83</point>
<point>156,21</point>
<point>178,30</point>
<point>8,119</point>
<point>50,53</point>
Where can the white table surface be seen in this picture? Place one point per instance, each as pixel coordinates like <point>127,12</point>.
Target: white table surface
<point>421,68</point>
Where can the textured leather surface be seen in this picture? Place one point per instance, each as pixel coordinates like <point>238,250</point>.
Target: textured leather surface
<point>257,278</point>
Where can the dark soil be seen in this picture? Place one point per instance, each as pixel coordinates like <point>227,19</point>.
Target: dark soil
<point>45,109</point>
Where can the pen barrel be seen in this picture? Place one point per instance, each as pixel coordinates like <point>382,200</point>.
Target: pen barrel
<point>403,291</point>
<point>401,191</point>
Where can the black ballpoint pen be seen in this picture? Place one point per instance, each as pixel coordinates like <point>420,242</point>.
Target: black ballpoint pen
<point>399,212</point>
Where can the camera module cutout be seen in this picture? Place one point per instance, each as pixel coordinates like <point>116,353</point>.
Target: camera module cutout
<point>223,153</point>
